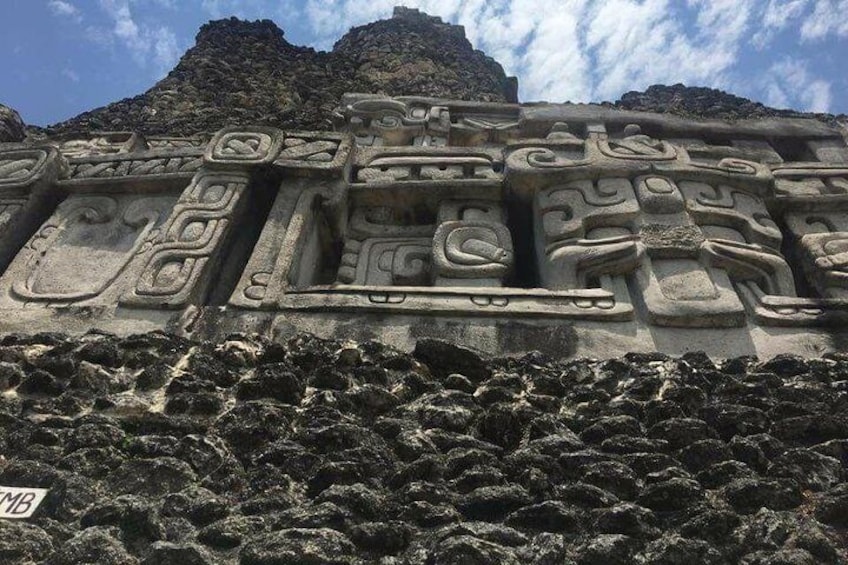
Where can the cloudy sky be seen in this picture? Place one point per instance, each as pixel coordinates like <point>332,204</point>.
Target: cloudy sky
<point>61,57</point>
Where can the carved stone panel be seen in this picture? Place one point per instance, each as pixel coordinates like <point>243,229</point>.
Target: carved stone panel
<point>22,167</point>
<point>148,167</point>
<point>638,146</point>
<point>244,146</point>
<point>376,121</point>
<point>26,198</point>
<point>821,241</point>
<point>719,236</point>
<point>100,143</point>
<point>585,229</point>
<point>314,151</point>
<point>181,256</point>
<point>386,247</point>
<point>86,250</point>
<point>811,183</point>
<point>472,245</point>
<point>686,243</point>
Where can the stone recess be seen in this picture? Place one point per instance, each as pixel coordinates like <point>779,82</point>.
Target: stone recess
<point>158,449</point>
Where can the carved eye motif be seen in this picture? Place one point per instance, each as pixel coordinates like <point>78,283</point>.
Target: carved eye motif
<point>472,249</point>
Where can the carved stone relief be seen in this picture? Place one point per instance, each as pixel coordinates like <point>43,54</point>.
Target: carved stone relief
<point>27,194</point>
<point>180,256</point>
<point>400,166</point>
<point>100,143</point>
<point>420,206</point>
<point>699,239</point>
<point>376,121</point>
<point>84,249</point>
<point>244,146</point>
<point>410,121</point>
<point>21,167</point>
<point>177,165</point>
<point>314,151</point>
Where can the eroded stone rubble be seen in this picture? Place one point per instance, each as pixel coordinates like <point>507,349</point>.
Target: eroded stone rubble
<point>160,450</point>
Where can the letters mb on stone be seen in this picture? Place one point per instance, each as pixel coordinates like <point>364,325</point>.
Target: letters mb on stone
<point>20,502</point>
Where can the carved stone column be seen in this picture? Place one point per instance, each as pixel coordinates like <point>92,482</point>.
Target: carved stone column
<point>27,194</point>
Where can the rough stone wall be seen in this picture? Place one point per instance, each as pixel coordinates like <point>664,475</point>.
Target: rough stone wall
<point>421,55</point>
<point>161,450</point>
<point>246,72</point>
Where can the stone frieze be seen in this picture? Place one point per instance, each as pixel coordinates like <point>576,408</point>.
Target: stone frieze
<point>438,209</point>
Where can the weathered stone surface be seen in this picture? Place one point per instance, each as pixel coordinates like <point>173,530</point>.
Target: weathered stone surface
<point>11,125</point>
<point>296,478</point>
<point>699,102</point>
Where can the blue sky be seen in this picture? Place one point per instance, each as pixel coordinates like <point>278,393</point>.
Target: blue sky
<point>62,57</point>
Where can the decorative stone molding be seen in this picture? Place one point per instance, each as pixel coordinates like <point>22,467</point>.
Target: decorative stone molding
<point>620,224</point>
<point>244,146</point>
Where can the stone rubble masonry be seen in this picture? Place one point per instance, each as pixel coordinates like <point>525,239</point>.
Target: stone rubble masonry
<point>159,449</point>
<point>243,72</point>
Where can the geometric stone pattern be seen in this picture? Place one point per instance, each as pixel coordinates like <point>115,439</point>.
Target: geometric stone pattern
<point>426,207</point>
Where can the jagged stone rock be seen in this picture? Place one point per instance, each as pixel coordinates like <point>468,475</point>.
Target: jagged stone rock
<point>444,358</point>
<point>92,545</point>
<point>23,543</point>
<point>12,127</point>
<point>299,546</point>
<point>166,553</point>
<point>699,102</point>
<point>241,71</point>
<point>469,549</point>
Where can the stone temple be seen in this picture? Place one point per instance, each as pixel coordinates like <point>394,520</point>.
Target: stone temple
<point>627,327</point>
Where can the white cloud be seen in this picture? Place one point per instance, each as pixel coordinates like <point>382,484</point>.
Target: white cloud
<point>789,83</point>
<point>776,16</point>
<point>70,74</point>
<point>148,45</point>
<point>828,17</point>
<point>578,50</point>
<point>65,10</point>
<point>278,10</point>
